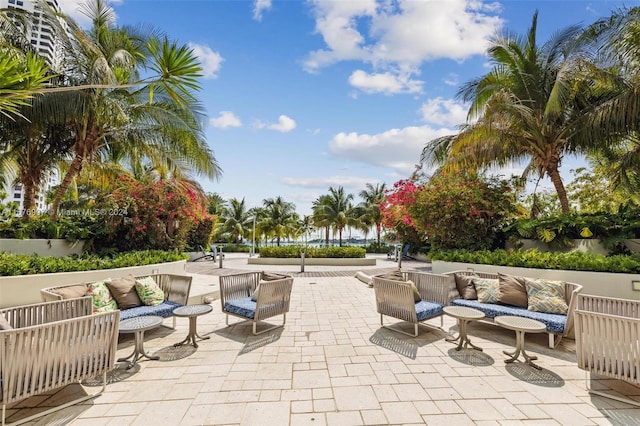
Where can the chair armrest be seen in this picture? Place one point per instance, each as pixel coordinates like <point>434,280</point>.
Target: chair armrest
<point>46,312</point>
<point>571,291</point>
<point>176,288</point>
<point>440,288</point>
<point>609,305</point>
<point>394,299</point>
<point>273,298</point>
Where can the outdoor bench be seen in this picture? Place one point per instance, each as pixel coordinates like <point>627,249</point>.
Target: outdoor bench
<point>175,293</point>
<point>46,346</point>
<point>558,325</point>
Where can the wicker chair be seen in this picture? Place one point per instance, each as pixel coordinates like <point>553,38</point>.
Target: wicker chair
<point>607,334</point>
<point>395,298</point>
<point>272,299</point>
<point>54,344</point>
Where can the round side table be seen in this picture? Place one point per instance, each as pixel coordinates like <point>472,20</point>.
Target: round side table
<point>521,326</point>
<point>138,325</point>
<point>464,315</point>
<point>192,312</point>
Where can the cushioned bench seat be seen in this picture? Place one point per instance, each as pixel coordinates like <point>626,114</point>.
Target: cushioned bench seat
<point>164,310</point>
<point>555,322</point>
<point>426,310</point>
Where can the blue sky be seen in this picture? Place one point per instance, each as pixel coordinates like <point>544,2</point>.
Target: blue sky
<point>303,95</point>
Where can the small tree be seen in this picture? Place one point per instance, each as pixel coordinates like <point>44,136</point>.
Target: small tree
<point>460,210</point>
<point>395,211</point>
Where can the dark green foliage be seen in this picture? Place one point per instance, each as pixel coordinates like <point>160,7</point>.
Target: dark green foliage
<point>319,252</point>
<point>84,226</point>
<point>199,234</point>
<point>20,264</point>
<point>574,260</point>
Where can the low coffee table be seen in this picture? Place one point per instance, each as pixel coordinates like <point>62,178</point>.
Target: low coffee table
<point>464,315</point>
<point>521,326</point>
<point>138,325</point>
<point>192,312</point>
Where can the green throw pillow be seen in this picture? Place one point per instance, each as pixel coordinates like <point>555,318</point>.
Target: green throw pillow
<point>416,292</point>
<point>546,296</point>
<point>488,289</point>
<point>103,301</point>
<point>149,292</point>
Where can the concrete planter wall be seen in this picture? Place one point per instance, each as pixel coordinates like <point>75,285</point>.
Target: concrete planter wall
<point>597,283</point>
<point>42,247</point>
<point>581,244</point>
<point>25,289</point>
<point>633,245</point>
<point>311,261</point>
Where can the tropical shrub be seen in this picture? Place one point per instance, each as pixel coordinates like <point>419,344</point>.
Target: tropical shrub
<point>316,252</point>
<point>574,260</point>
<point>156,215</point>
<point>21,264</point>
<point>395,211</point>
<point>199,235</point>
<point>85,225</point>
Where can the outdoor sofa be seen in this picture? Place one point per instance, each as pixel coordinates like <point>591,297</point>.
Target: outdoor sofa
<point>175,293</point>
<point>46,346</point>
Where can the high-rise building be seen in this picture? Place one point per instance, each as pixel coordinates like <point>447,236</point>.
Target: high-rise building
<point>39,31</point>
<point>42,36</point>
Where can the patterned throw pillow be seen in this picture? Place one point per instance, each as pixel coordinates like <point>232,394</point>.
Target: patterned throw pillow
<point>488,289</point>
<point>103,301</point>
<point>546,296</point>
<point>149,292</point>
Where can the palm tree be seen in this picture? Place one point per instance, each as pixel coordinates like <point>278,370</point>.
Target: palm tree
<point>372,197</point>
<point>335,209</point>
<point>320,215</point>
<point>279,218</point>
<point>236,221</point>
<point>161,116</point>
<point>533,104</point>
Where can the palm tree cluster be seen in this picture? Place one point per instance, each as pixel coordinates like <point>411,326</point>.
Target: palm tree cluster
<point>277,220</point>
<point>123,102</point>
<point>577,94</point>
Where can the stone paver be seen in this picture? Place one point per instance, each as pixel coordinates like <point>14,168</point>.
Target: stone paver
<point>332,364</point>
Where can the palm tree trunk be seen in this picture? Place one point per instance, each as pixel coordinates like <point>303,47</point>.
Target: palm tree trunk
<point>28,198</point>
<point>326,239</point>
<point>74,170</point>
<point>378,231</point>
<point>554,175</point>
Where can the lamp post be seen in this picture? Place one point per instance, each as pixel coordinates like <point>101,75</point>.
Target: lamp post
<point>253,238</point>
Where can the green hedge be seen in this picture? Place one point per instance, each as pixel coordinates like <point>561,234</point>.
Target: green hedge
<point>21,264</point>
<point>573,261</point>
<point>319,252</point>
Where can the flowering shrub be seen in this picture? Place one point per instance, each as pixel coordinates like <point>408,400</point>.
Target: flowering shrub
<point>155,215</point>
<point>395,211</point>
<point>449,211</point>
<point>459,210</point>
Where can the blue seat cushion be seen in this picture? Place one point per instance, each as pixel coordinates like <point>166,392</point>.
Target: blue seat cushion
<point>555,322</point>
<point>245,307</point>
<point>165,309</point>
<point>426,310</point>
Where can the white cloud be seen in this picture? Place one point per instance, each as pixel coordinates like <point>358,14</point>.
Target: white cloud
<point>260,6</point>
<point>397,37</point>
<point>452,79</point>
<point>285,124</point>
<point>209,60</point>
<point>443,112</point>
<point>387,83</point>
<point>324,182</point>
<point>225,119</point>
<point>398,149</point>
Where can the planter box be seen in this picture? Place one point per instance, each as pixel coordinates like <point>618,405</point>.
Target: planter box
<point>633,245</point>
<point>597,283</point>
<point>42,247</point>
<point>311,261</point>
<point>584,245</point>
<point>25,289</point>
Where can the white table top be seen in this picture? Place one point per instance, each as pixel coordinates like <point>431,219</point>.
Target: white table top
<point>463,312</point>
<point>520,324</point>
<point>134,324</point>
<point>192,310</point>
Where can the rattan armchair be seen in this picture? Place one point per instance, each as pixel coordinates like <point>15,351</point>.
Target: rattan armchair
<point>54,344</point>
<point>607,332</point>
<point>395,298</point>
<point>272,298</point>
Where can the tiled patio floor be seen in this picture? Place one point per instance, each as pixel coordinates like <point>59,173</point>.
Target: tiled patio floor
<point>333,364</point>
